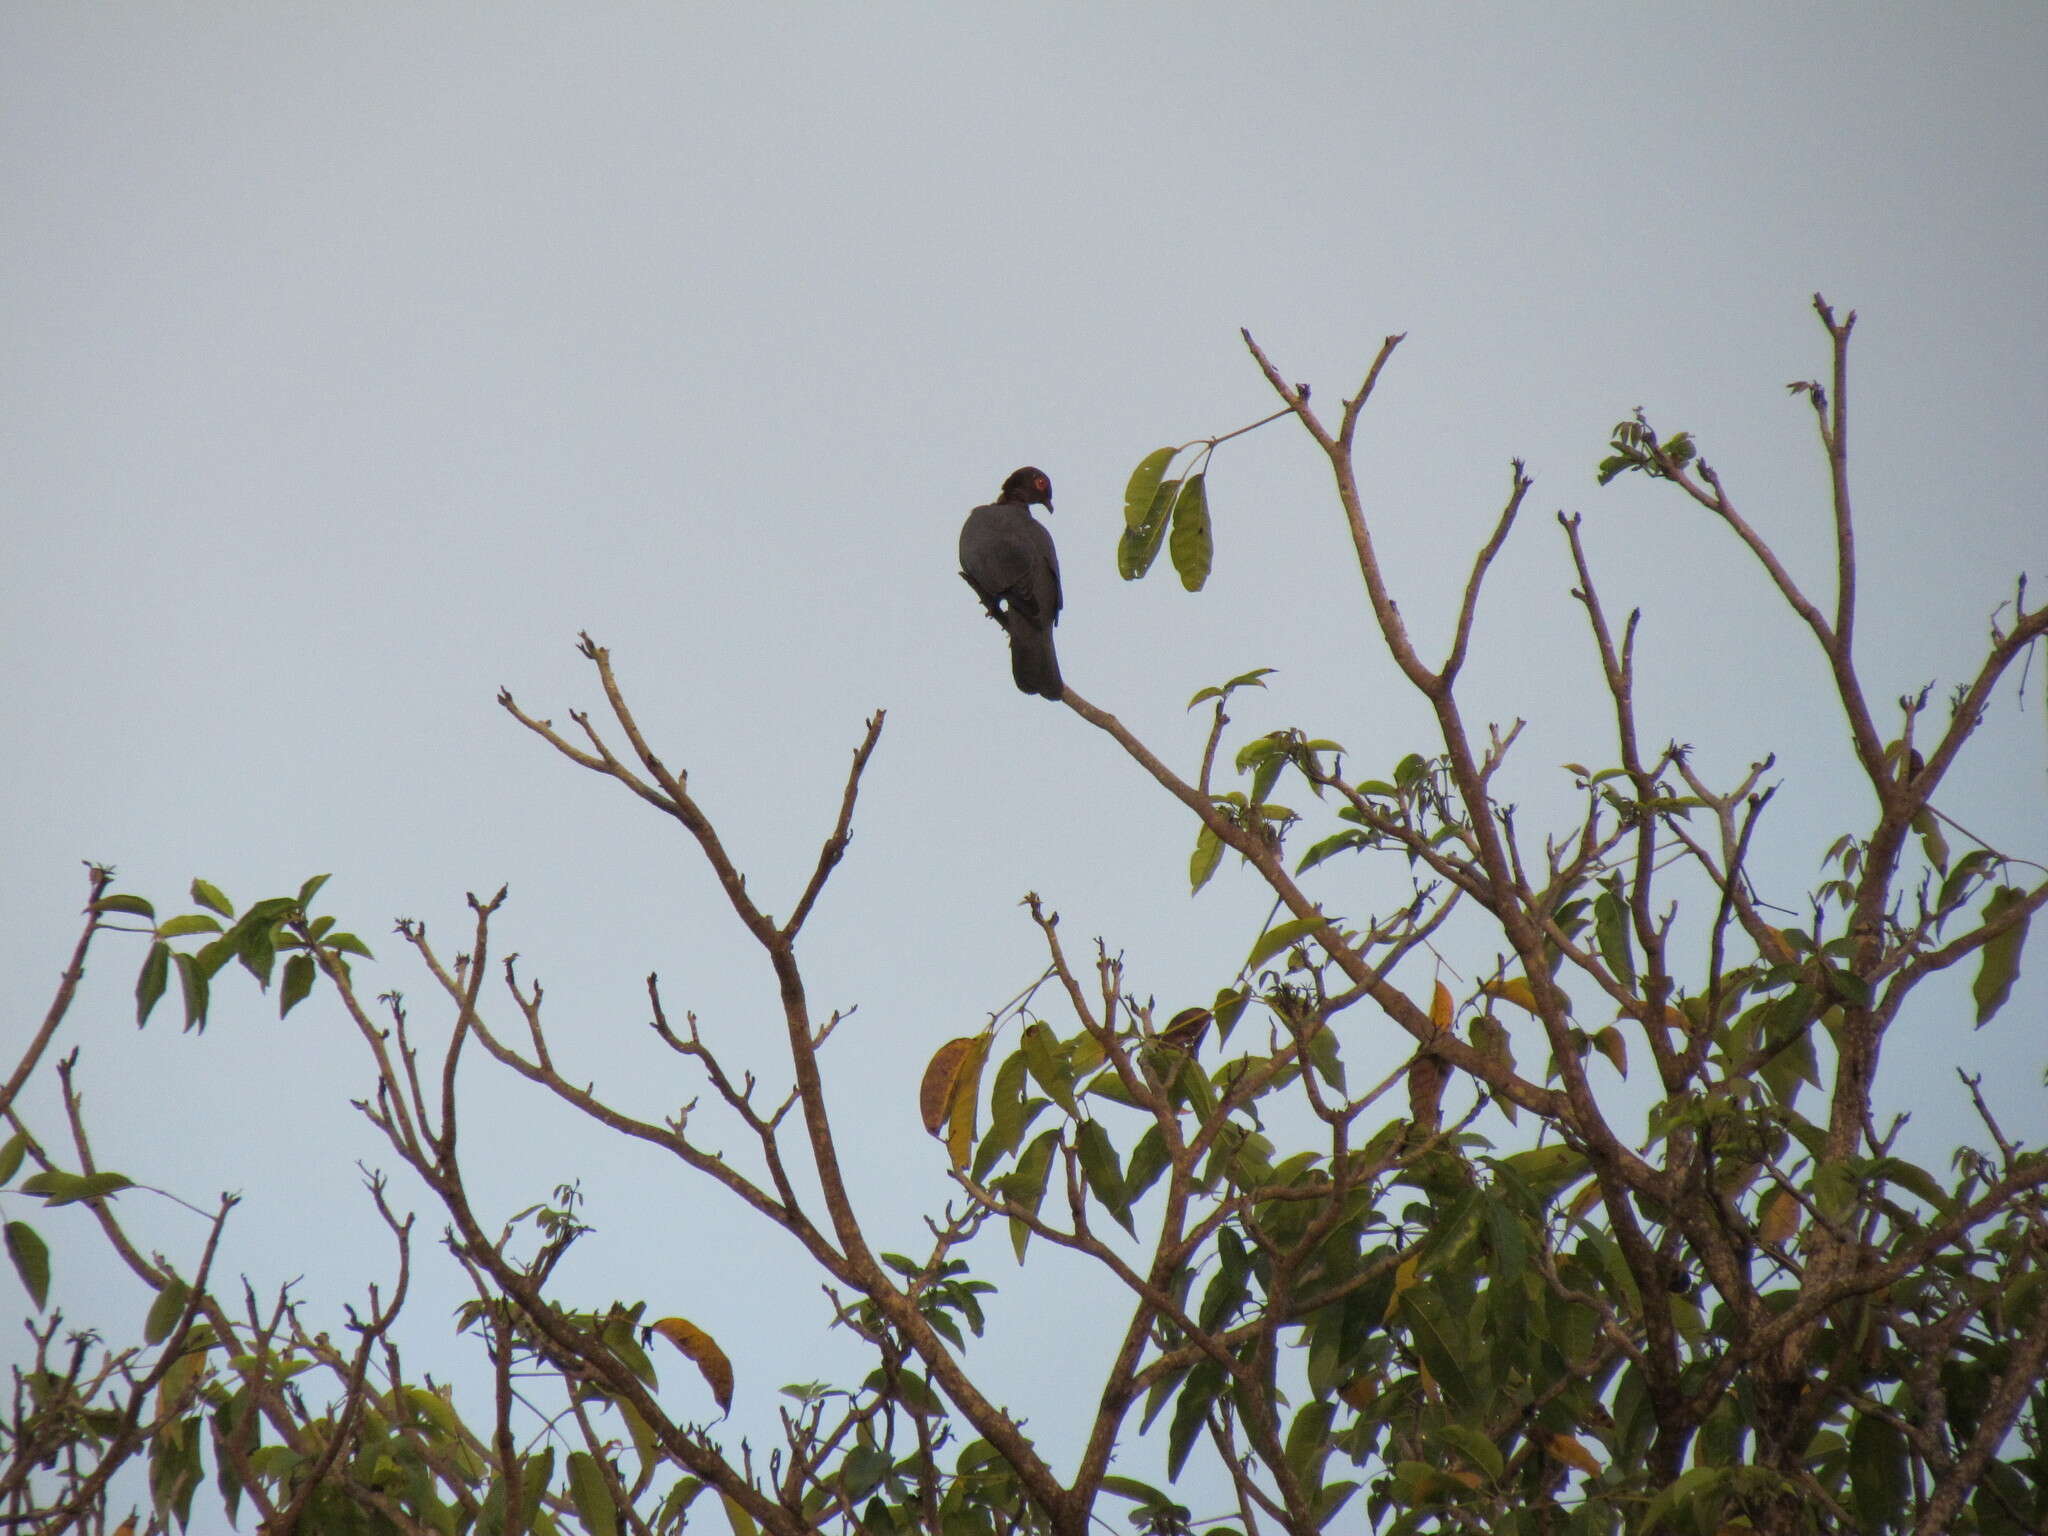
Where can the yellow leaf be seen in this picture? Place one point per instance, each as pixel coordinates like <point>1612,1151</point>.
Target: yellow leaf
<point>1513,989</point>
<point>941,1076</point>
<point>1405,1277</point>
<point>1780,1217</point>
<point>1776,947</point>
<point>1441,1007</point>
<point>1609,1043</point>
<point>966,1095</point>
<point>704,1354</point>
<point>1567,1449</point>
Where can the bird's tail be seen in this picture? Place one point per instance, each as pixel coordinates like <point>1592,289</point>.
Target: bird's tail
<point>1033,662</point>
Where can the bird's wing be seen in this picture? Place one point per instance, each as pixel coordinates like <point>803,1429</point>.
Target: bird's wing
<point>994,556</point>
<point>1046,582</point>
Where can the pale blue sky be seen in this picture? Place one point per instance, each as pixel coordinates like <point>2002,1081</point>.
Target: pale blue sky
<point>357,357</point>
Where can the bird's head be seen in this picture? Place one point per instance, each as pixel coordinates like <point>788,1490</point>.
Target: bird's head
<point>1028,485</point>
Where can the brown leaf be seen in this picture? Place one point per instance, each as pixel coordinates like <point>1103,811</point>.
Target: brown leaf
<point>1780,1217</point>
<point>966,1095</point>
<point>1362,1391</point>
<point>1568,1450</point>
<point>941,1076</point>
<point>1426,1093</point>
<point>704,1354</point>
<point>1609,1043</point>
<point>1185,1029</point>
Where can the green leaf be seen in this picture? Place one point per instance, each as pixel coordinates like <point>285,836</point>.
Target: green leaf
<point>212,959</point>
<point>2000,965</point>
<point>1476,1448</point>
<point>1321,1050</point>
<point>1043,1056</point>
<point>1252,679</point>
<point>1932,843</point>
<point>1130,1488</point>
<point>1849,987</point>
<point>1143,487</point>
<point>1678,1496</point>
<point>1308,1443</point>
<point>1549,1169</point>
<point>1139,546</point>
<point>592,1495</point>
<point>1833,1188</point>
<point>1265,758</point>
<point>539,1472</point>
<point>174,1467</point>
<point>299,973</point>
<point>742,1523</point>
<point>256,950</point>
<point>1431,1331</point>
<point>210,897</point>
<point>191,922</point>
<point>1490,1038</point>
<point>1107,1085</point>
<point>268,912</point>
<point>165,1311</point>
<point>309,890</point>
<point>864,1467</point>
<point>1610,927</point>
<point>1190,1413</point>
<point>1192,545</point>
<point>1913,1178</point>
<point>621,1335</point>
<point>31,1258</point>
<point>1791,1060</point>
<point>1202,863</point>
<point>1148,1159</point>
<point>1026,1186</point>
<point>1877,1472</point>
<point>149,985</point>
<point>1334,844</point>
<point>1280,936</point>
<point>11,1155</point>
<point>1104,1171</point>
<point>59,1188</point>
<point>192,982</point>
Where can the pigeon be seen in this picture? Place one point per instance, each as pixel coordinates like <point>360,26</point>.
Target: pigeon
<point>1006,555</point>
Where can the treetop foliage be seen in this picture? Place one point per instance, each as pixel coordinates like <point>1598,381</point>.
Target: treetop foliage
<point>1484,1292</point>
